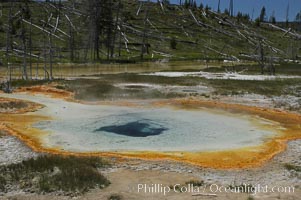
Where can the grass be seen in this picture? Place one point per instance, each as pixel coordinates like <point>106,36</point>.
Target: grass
<point>2,183</point>
<point>292,167</point>
<point>115,197</point>
<point>250,198</point>
<point>28,83</point>
<point>281,69</point>
<point>195,183</point>
<point>13,105</point>
<point>57,173</point>
<point>269,87</point>
<point>242,188</point>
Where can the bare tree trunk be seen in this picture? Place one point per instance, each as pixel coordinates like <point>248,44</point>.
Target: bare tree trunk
<point>143,46</point>
<point>272,67</point>
<point>71,43</point>
<point>97,29</point>
<point>23,36</point>
<point>8,47</point>
<point>30,50</point>
<point>50,57</point>
<point>46,74</point>
<point>37,70</point>
<point>109,24</point>
<point>115,29</point>
<point>261,56</point>
<point>120,34</point>
<point>45,58</point>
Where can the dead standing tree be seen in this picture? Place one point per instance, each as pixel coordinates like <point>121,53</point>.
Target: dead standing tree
<point>94,17</point>
<point>24,15</point>
<point>102,27</point>
<point>9,47</point>
<point>71,38</point>
<point>116,29</point>
<point>18,34</point>
<point>46,73</point>
<point>262,60</point>
<point>108,26</point>
<point>144,36</point>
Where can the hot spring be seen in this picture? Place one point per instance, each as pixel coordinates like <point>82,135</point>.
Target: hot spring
<point>79,127</point>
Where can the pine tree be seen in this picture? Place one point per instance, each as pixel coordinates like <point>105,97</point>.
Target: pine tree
<point>298,17</point>
<point>226,12</point>
<point>194,5</point>
<point>262,14</point>
<point>201,7</point>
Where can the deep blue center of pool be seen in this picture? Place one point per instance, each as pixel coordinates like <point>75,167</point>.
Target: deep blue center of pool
<point>135,129</point>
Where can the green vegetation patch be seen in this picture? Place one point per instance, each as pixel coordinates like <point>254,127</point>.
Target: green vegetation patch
<point>55,173</point>
<point>195,183</point>
<point>275,87</point>
<point>280,69</point>
<point>13,105</point>
<point>115,197</point>
<point>292,167</point>
<point>242,188</point>
<point>28,83</point>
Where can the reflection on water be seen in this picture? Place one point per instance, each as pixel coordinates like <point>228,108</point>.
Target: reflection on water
<point>71,70</point>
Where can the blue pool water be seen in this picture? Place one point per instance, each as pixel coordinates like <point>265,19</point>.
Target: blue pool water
<point>142,128</point>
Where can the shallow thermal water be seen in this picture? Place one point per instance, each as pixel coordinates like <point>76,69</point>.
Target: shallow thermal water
<point>230,76</point>
<point>73,71</point>
<point>82,128</point>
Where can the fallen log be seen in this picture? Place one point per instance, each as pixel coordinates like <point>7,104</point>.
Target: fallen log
<point>223,54</point>
<point>59,30</point>
<point>40,28</point>
<point>286,32</point>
